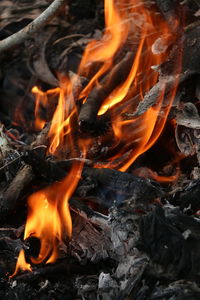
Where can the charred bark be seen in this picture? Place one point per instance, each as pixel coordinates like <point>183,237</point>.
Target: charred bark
<point>88,113</point>
<point>137,188</point>
<point>10,199</point>
<point>171,9</point>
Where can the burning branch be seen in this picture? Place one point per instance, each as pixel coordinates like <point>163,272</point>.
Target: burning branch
<point>25,33</point>
<point>90,108</point>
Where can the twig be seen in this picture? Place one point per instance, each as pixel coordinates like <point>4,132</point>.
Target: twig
<point>25,33</point>
<point>10,163</point>
<point>192,25</point>
<point>71,36</point>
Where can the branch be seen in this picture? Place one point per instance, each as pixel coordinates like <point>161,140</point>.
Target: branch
<point>25,33</point>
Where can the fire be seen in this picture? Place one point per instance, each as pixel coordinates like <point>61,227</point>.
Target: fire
<point>103,51</point>
<point>148,173</point>
<point>49,218</point>
<point>21,264</point>
<point>119,94</point>
<point>128,25</point>
<point>61,122</point>
<point>40,99</point>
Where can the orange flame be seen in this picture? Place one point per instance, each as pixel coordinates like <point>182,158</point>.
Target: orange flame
<point>21,264</point>
<point>122,91</point>
<point>49,218</point>
<point>139,134</point>
<point>60,125</point>
<point>148,173</point>
<point>41,99</point>
<point>128,25</point>
<point>115,34</point>
<point>104,50</point>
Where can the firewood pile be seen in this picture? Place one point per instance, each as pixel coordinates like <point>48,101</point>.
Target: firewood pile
<point>100,149</point>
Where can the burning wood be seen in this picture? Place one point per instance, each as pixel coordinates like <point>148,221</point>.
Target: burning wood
<point>89,110</point>
<point>102,164</point>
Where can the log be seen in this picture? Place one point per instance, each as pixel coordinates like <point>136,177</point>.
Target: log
<point>88,113</point>
<point>10,199</point>
<point>46,169</point>
<point>65,266</point>
<point>122,184</point>
<point>50,170</point>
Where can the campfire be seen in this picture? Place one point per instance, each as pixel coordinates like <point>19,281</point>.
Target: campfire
<point>99,149</point>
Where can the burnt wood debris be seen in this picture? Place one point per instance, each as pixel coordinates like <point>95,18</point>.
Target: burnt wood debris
<point>135,234</point>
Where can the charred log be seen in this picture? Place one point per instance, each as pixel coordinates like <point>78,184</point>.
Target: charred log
<point>64,267</point>
<point>10,198</point>
<point>42,167</point>
<point>49,169</point>
<point>124,185</point>
<point>88,113</point>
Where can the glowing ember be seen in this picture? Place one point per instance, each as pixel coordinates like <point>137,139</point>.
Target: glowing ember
<point>134,27</point>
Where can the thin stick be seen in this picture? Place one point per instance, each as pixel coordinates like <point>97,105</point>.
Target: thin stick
<point>25,33</point>
<point>10,163</point>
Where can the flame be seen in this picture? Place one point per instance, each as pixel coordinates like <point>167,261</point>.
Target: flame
<point>128,25</point>
<point>140,133</point>
<point>40,99</point>
<point>21,264</point>
<point>148,173</point>
<point>61,122</point>
<point>49,218</point>
<point>122,91</point>
<point>103,51</point>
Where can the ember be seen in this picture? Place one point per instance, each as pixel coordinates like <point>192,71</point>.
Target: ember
<point>99,151</point>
